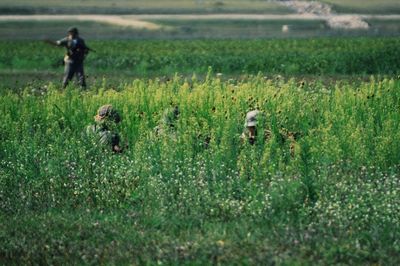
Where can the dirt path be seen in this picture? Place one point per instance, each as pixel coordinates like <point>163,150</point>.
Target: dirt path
<point>108,19</point>
<point>322,10</point>
<point>142,21</point>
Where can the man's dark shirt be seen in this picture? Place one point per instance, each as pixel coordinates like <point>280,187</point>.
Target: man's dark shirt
<point>76,49</point>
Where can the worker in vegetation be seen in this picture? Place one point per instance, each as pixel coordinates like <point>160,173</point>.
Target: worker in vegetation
<point>74,58</point>
<point>284,137</point>
<point>250,132</point>
<point>104,131</point>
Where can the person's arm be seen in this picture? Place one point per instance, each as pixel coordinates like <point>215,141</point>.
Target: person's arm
<point>62,42</point>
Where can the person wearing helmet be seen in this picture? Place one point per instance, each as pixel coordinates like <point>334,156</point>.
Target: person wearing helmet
<point>250,124</point>
<point>104,129</point>
<point>73,60</point>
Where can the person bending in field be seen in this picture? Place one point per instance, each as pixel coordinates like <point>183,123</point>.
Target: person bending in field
<point>104,131</point>
<point>250,131</point>
<point>73,59</point>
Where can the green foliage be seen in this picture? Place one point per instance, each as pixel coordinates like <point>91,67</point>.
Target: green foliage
<point>172,199</point>
<point>290,57</point>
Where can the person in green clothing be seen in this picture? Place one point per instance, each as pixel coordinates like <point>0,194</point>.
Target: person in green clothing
<point>104,130</point>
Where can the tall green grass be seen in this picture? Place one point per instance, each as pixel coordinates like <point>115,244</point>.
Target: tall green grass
<point>172,200</point>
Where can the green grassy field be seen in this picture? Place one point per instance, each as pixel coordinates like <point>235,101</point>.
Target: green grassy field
<point>135,6</point>
<point>201,196</point>
<point>34,63</point>
<point>172,200</point>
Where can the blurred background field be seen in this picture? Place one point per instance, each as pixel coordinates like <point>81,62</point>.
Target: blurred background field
<point>193,29</point>
<point>118,62</point>
<point>167,19</point>
<point>183,6</point>
<point>154,50</point>
<point>135,6</point>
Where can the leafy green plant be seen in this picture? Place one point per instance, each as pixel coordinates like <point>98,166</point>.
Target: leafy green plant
<point>172,199</point>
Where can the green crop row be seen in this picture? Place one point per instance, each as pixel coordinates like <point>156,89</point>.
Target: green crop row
<point>291,57</point>
<point>174,200</point>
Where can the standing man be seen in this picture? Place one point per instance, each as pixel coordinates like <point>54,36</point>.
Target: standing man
<point>73,60</point>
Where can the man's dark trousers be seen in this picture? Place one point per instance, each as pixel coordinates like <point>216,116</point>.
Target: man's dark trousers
<point>72,68</point>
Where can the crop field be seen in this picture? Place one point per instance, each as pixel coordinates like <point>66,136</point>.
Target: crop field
<point>34,63</point>
<point>318,185</point>
<point>200,195</point>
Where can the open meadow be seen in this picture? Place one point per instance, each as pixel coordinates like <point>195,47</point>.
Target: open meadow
<point>319,184</point>
<point>115,63</point>
<point>175,200</point>
<point>203,196</point>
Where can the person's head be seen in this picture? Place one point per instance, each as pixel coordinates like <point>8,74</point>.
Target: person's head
<point>72,32</point>
<point>107,113</point>
<point>251,125</point>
